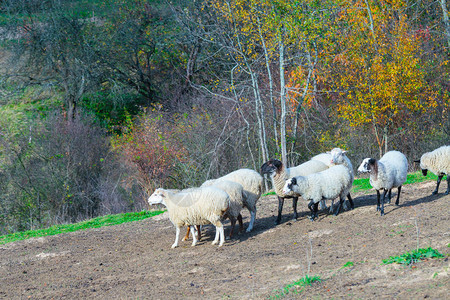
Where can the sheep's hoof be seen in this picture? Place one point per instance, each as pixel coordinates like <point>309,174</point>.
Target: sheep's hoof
<point>434,192</point>
<point>184,239</point>
<point>214,242</point>
<point>447,192</point>
<point>382,213</point>
<point>378,208</point>
<point>174,246</point>
<point>249,229</point>
<point>311,218</point>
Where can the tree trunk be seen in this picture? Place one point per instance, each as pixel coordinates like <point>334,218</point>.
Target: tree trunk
<point>282,100</point>
<point>446,21</point>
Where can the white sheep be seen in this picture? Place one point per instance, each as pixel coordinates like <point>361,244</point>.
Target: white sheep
<point>238,199</point>
<point>279,174</point>
<point>438,162</point>
<point>339,157</point>
<point>385,174</point>
<point>195,206</point>
<point>252,182</point>
<point>328,184</point>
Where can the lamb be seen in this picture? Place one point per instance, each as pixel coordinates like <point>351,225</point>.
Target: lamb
<point>438,162</point>
<point>238,198</point>
<point>385,174</point>
<point>279,174</point>
<point>195,206</point>
<point>252,182</point>
<point>328,184</point>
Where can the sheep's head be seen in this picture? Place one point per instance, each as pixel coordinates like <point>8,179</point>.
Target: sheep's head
<point>337,156</point>
<point>289,185</point>
<point>272,166</point>
<point>157,197</point>
<point>422,166</point>
<point>369,165</point>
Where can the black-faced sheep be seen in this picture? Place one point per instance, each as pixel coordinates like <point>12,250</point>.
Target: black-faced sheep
<point>279,174</point>
<point>328,184</point>
<point>387,173</point>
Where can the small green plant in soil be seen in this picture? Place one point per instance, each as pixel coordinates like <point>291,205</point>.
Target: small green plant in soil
<point>92,223</point>
<point>348,264</point>
<point>296,287</point>
<point>414,256</point>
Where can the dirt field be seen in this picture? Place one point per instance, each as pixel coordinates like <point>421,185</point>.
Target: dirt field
<point>135,260</point>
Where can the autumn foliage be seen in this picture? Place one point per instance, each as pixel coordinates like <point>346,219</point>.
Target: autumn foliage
<point>149,146</point>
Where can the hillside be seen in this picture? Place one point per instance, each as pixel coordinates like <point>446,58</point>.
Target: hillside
<point>134,260</point>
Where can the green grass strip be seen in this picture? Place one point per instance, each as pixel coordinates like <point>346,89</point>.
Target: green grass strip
<point>414,256</point>
<point>92,223</point>
<point>296,287</point>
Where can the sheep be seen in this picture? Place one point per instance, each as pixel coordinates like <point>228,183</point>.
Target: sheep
<point>279,174</point>
<point>385,174</point>
<point>328,184</point>
<point>438,162</point>
<point>197,227</point>
<point>339,157</point>
<point>195,206</point>
<point>252,182</point>
<point>238,198</point>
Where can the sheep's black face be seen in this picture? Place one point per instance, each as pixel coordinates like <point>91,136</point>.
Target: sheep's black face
<point>424,172</point>
<point>367,165</point>
<point>292,183</point>
<point>271,166</point>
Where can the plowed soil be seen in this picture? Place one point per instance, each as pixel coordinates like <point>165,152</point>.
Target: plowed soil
<point>134,260</point>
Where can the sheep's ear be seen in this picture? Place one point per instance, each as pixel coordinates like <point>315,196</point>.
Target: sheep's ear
<point>293,180</point>
<point>345,151</point>
<point>417,161</point>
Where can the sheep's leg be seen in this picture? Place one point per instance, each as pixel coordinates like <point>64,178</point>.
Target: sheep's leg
<point>194,238</point>
<point>186,237</point>
<point>352,206</point>
<point>448,184</point>
<point>313,207</point>
<point>294,207</point>
<point>378,200</point>
<point>322,204</point>
<point>199,232</point>
<point>398,195</point>
<point>233,223</point>
<point>241,224</point>
<point>252,219</point>
<point>177,236</point>
<point>389,196</point>
<point>331,206</point>
<point>280,208</point>
<point>341,201</point>
<point>438,183</point>
<point>219,233</point>
<point>382,202</point>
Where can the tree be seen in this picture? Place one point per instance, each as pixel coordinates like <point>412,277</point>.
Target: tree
<point>377,70</point>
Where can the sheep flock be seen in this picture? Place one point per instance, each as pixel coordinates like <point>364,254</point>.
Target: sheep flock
<point>326,176</point>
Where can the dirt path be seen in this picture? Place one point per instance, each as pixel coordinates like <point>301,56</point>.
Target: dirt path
<point>135,260</point>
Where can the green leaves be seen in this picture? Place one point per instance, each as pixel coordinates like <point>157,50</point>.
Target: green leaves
<point>414,256</point>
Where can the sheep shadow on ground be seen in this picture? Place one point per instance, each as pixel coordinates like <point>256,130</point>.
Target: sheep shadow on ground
<point>371,200</point>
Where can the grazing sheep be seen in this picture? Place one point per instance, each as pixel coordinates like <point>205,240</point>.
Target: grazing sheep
<point>252,182</point>
<point>328,184</point>
<point>238,198</point>
<point>387,173</point>
<point>279,174</point>
<point>438,162</point>
<point>195,206</point>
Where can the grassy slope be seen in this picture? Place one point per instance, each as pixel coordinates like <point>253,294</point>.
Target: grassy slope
<point>358,185</point>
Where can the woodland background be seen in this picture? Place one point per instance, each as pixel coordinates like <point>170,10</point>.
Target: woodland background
<point>102,101</point>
